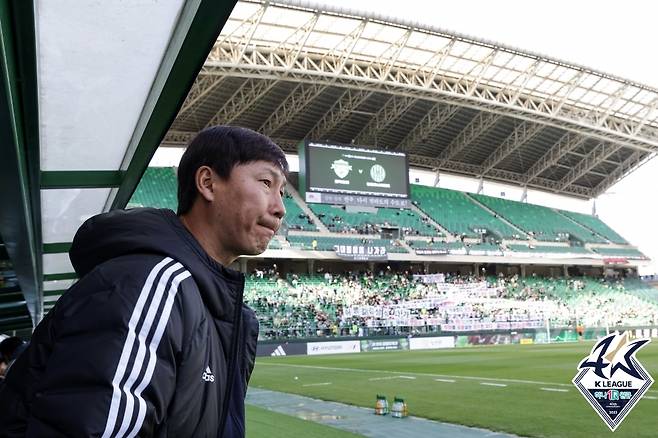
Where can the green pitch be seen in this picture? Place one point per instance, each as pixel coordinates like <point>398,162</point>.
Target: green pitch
<point>262,423</point>
<point>520,389</point>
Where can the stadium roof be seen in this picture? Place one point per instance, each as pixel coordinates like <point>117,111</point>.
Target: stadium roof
<point>298,70</point>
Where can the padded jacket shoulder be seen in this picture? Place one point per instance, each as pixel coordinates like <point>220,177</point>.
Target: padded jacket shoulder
<point>136,348</point>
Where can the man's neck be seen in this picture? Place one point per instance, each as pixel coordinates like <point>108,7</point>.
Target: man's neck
<point>206,240</point>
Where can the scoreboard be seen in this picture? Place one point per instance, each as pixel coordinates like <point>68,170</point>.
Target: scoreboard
<point>342,169</point>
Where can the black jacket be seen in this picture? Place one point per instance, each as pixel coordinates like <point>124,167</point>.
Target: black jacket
<point>153,340</point>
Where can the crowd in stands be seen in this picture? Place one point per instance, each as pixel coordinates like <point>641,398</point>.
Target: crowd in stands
<point>367,303</point>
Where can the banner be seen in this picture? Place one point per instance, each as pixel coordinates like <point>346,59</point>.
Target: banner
<point>394,344</point>
<point>431,343</point>
<point>361,252</point>
<point>430,278</point>
<point>615,261</point>
<point>281,349</point>
<point>332,347</point>
<point>428,251</point>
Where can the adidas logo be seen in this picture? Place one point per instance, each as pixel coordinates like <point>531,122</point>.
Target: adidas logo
<point>208,376</point>
<point>278,351</point>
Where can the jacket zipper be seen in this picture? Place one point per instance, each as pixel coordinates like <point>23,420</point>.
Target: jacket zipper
<point>233,358</point>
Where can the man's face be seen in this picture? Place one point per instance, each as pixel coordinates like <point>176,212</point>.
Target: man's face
<point>248,209</point>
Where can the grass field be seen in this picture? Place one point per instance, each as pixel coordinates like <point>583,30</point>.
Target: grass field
<point>509,388</point>
<point>262,423</point>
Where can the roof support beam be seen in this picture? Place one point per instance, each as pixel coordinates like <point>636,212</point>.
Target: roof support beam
<point>526,104</point>
<point>292,106</point>
<point>242,35</point>
<point>390,56</point>
<point>350,100</point>
<point>594,157</point>
<point>629,164</point>
<point>82,179</point>
<point>567,143</point>
<point>522,134</point>
<point>438,115</point>
<point>177,138</point>
<point>247,95</point>
<point>203,85</point>
<point>394,108</point>
<point>497,174</point>
<point>476,127</point>
<point>296,41</point>
<point>336,58</point>
<point>650,112</point>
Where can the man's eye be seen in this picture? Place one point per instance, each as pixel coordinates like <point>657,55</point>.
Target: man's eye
<point>267,182</point>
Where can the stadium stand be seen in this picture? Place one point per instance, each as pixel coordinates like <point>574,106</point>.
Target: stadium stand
<point>477,248</point>
<point>451,247</point>
<point>542,223</point>
<point>337,219</point>
<point>458,214</point>
<point>327,243</point>
<point>296,218</point>
<point>629,253</point>
<point>546,249</point>
<point>157,189</point>
<point>596,225</point>
<point>387,303</point>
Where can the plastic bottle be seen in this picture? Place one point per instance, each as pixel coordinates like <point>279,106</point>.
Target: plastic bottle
<point>381,406</point>
<point>399,408</point>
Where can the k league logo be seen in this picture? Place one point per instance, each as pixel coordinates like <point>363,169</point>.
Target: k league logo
<point>612,379</point>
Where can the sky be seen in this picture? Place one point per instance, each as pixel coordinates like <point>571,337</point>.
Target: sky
<point>615,37</point>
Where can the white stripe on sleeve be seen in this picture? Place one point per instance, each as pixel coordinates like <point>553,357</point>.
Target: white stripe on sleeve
<point>162,323</point>
<point>128,346</point>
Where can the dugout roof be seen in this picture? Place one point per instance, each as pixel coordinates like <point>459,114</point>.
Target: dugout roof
<point>88,91</point>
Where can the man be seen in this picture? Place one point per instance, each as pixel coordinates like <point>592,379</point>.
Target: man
<point>154,340</point>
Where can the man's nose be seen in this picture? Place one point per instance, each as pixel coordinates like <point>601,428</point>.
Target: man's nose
<point>278,209</point>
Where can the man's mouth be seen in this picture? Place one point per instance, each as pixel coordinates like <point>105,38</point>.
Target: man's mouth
<point>269,228</point>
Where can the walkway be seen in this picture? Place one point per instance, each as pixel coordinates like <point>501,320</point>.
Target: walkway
<point>360,420</point>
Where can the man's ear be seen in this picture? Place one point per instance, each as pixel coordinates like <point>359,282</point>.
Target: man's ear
<point>204,178</point>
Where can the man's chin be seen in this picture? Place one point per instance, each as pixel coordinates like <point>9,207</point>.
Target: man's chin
<point>256,250</point>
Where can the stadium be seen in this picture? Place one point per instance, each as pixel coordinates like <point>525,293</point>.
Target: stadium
<point>474,308</point>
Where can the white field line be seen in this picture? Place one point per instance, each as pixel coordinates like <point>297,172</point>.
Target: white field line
<point>447,376</point>
<point>392,377</point>
<point>359,370</point>
<point>650,397</point>
<point>554,389</point>
<point>445,380</point>
<point>318,384</point>
<point>502,385</point>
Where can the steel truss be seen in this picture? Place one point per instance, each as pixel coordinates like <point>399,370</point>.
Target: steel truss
<point>394,108</point>
<point>362,55</point>
<point>291,107</point>
<point>544,90</point>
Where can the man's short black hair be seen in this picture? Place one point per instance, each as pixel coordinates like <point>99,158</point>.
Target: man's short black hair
<point>222,148</point>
